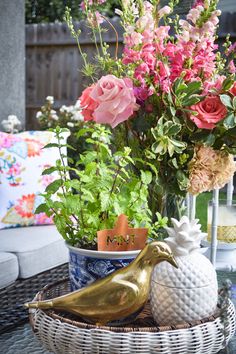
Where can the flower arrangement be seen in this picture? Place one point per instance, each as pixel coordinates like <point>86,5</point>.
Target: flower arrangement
<point>171,96</point>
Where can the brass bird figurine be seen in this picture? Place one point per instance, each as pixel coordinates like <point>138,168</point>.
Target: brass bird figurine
<point>119,294</point>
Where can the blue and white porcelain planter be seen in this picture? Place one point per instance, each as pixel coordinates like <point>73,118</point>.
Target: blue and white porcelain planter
<point>86,266</point>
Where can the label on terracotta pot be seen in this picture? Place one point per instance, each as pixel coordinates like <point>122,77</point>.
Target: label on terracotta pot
<point>122,237</point>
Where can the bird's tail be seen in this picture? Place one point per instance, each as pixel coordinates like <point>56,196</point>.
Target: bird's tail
<point>47,304</point>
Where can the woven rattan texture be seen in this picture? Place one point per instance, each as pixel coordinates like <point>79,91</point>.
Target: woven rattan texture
<point>62,333</point>
<point>14,296</point>
<point>143,323</point>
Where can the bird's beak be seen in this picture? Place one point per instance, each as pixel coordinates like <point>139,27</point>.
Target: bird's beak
<point>172,261</point>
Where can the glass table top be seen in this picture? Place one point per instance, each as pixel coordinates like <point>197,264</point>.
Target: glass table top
<point>21,340</point>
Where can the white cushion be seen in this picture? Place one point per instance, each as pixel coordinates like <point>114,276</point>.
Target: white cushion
<point>22,160</point>
<point>9,269</point>
<point>38,248</point>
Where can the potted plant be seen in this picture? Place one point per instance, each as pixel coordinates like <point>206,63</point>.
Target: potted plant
<point>104,185</point>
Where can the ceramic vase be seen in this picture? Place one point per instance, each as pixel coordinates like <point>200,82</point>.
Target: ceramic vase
<point>86,266</point>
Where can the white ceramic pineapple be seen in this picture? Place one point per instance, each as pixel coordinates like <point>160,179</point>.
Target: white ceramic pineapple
<point>191,291</point>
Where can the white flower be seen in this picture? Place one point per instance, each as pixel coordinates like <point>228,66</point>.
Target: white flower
<point>217,12</point>
<point>39,114</point>
<point>193,15</point>
<point>70,109</point>
<point>12,118</point>
<point>50,99</point>
<point>78,117</point>
<point>7,126</point>
<point>118,12</point>
<point>63,109</point>
<point>54,116</point>
<point>77,104</point>
<point>70,124</point>
<point>11,124</point>
<point>166,10</point>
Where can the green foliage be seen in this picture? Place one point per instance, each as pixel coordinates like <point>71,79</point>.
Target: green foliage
<point>41,11</point>
<point>230,120</point>
<point>105,186</point>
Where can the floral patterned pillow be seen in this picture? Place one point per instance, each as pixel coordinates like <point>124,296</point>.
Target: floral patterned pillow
<point>22,161</point>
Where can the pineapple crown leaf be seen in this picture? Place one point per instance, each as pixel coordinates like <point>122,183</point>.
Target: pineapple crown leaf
<point>185,237</point>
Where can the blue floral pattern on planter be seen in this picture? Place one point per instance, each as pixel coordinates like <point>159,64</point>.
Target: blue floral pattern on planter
<point>83,270</point>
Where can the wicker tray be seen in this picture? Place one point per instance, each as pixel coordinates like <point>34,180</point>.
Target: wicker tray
<point>64,333</point>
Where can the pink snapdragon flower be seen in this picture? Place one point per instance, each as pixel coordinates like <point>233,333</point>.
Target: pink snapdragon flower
<point>130,56</point>
<point>95,19</point>
<point>232,49</point>
<point>194,14</point>
<point>142,93</point>
<point>141,71</point>
<point>146,22</point>
<point>90,3</point>
<point>232,68</point>
<point>133,39</point>
<point>198,3</point>
<point>115,100</point>
<point>214,85</point>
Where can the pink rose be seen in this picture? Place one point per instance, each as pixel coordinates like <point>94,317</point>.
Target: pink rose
<point>233,89</point>
<point>115,99</point>
<point>210,111</point>
<point>87,103</point>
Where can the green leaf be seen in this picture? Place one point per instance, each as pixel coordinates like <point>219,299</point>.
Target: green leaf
<point>172,110</point>
<point>175,163</point>
<point>49,170</point>
<point>146,177</point>
<point>234,103</point>
<point>51,145</point>
<point>54,186</point>
<point>104,197</point>
<point>227,83</point>
<point>42,208</point>
<point>174,129</point>
<point>226,100</point>
<point>190,125</point>
<point>88,196</point>
<point>230,121</point>
<point>171,148</point>
<point>182,180</point>
<point>189,101</point>
<point>74,183</point>
<point>193,87</point>
<point>210,139</point>
<point>159,147</point>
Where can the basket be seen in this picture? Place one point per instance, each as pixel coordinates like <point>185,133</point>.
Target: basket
<point>64,333</point>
